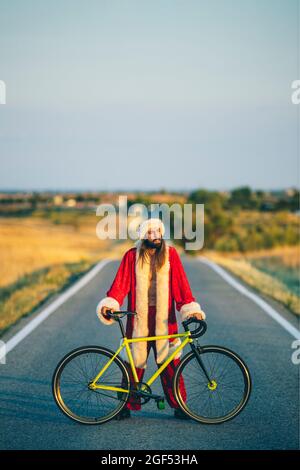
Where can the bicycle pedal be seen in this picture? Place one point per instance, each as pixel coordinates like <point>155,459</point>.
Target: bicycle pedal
<point>161,404</point>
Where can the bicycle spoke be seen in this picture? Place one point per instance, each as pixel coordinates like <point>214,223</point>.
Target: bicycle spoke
<point>223,396</point>
<point>77,399</point>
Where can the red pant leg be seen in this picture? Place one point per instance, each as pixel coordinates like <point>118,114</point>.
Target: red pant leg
<point>167,383</point>
<point>133,402</point>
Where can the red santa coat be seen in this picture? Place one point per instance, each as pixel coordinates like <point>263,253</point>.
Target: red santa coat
<point>172,291</point>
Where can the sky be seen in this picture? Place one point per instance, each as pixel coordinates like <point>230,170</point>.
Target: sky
<point>137,94</point>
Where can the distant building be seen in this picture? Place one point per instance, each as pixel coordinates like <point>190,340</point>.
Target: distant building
<point>57,200</point>
<point>290,192</point>
<point>71,202</point>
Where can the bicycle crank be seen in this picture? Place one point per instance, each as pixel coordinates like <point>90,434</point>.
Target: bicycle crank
<point>142,391</point>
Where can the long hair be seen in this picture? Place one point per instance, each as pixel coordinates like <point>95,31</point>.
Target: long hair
<point>160,254</point>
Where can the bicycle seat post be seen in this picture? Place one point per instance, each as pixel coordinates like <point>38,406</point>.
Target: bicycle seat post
<point>121,326</point>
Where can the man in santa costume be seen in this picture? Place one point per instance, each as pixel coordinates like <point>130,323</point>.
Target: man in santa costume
<point>152,276</point>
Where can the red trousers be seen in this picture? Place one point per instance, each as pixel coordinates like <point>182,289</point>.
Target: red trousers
<point>166,375</point>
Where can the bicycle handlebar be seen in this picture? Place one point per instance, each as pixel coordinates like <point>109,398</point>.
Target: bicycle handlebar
<point>194,334</point>
<point>119,313</point>
<point>198,331</point>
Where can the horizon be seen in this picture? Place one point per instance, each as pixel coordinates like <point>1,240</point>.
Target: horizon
<point>161,190</point>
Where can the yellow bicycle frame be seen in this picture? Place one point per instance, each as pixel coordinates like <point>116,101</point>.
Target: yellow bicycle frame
<point>125,344</point>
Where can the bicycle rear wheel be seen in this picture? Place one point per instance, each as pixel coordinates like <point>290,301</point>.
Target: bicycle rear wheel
<point>70,385</point>
<point>220,399</point>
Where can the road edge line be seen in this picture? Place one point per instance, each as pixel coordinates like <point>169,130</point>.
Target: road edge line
<point>33,324</point>
<point>254,297</point>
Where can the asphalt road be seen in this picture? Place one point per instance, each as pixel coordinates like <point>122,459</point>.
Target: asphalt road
<point>31,420</point>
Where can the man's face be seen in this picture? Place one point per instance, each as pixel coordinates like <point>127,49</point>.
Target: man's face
<point>154,237</point>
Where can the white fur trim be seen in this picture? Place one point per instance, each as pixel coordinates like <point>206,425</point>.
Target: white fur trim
<point>123,352</point>
<point>162,310</point>
<point>155,223</point>
<point>174,345</point>
<point>108,302</point>
<point>192,307</point>
<point>140,328</point>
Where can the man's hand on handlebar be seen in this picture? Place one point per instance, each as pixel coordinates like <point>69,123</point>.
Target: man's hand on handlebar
<point>198,315</point>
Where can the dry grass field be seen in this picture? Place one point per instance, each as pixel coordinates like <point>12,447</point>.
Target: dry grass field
<point>39,257</point>
<point>44,253</point>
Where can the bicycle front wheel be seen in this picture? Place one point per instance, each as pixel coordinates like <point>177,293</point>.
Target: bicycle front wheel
<point>71,380</point>
<point>216,400</point>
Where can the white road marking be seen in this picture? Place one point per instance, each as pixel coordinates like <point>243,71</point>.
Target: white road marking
<point>33,324</point>
<point>255,298</point>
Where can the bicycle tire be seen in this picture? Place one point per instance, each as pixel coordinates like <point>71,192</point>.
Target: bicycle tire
<point>214,350</point>
<point>58,395</point>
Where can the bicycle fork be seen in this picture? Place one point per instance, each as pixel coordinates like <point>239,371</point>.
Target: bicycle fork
<point>200,362</point>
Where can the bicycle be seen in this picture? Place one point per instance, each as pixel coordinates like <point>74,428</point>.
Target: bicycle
<point>91,384</point>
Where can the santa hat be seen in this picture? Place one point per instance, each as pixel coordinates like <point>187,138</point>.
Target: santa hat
<point>154,224</point>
